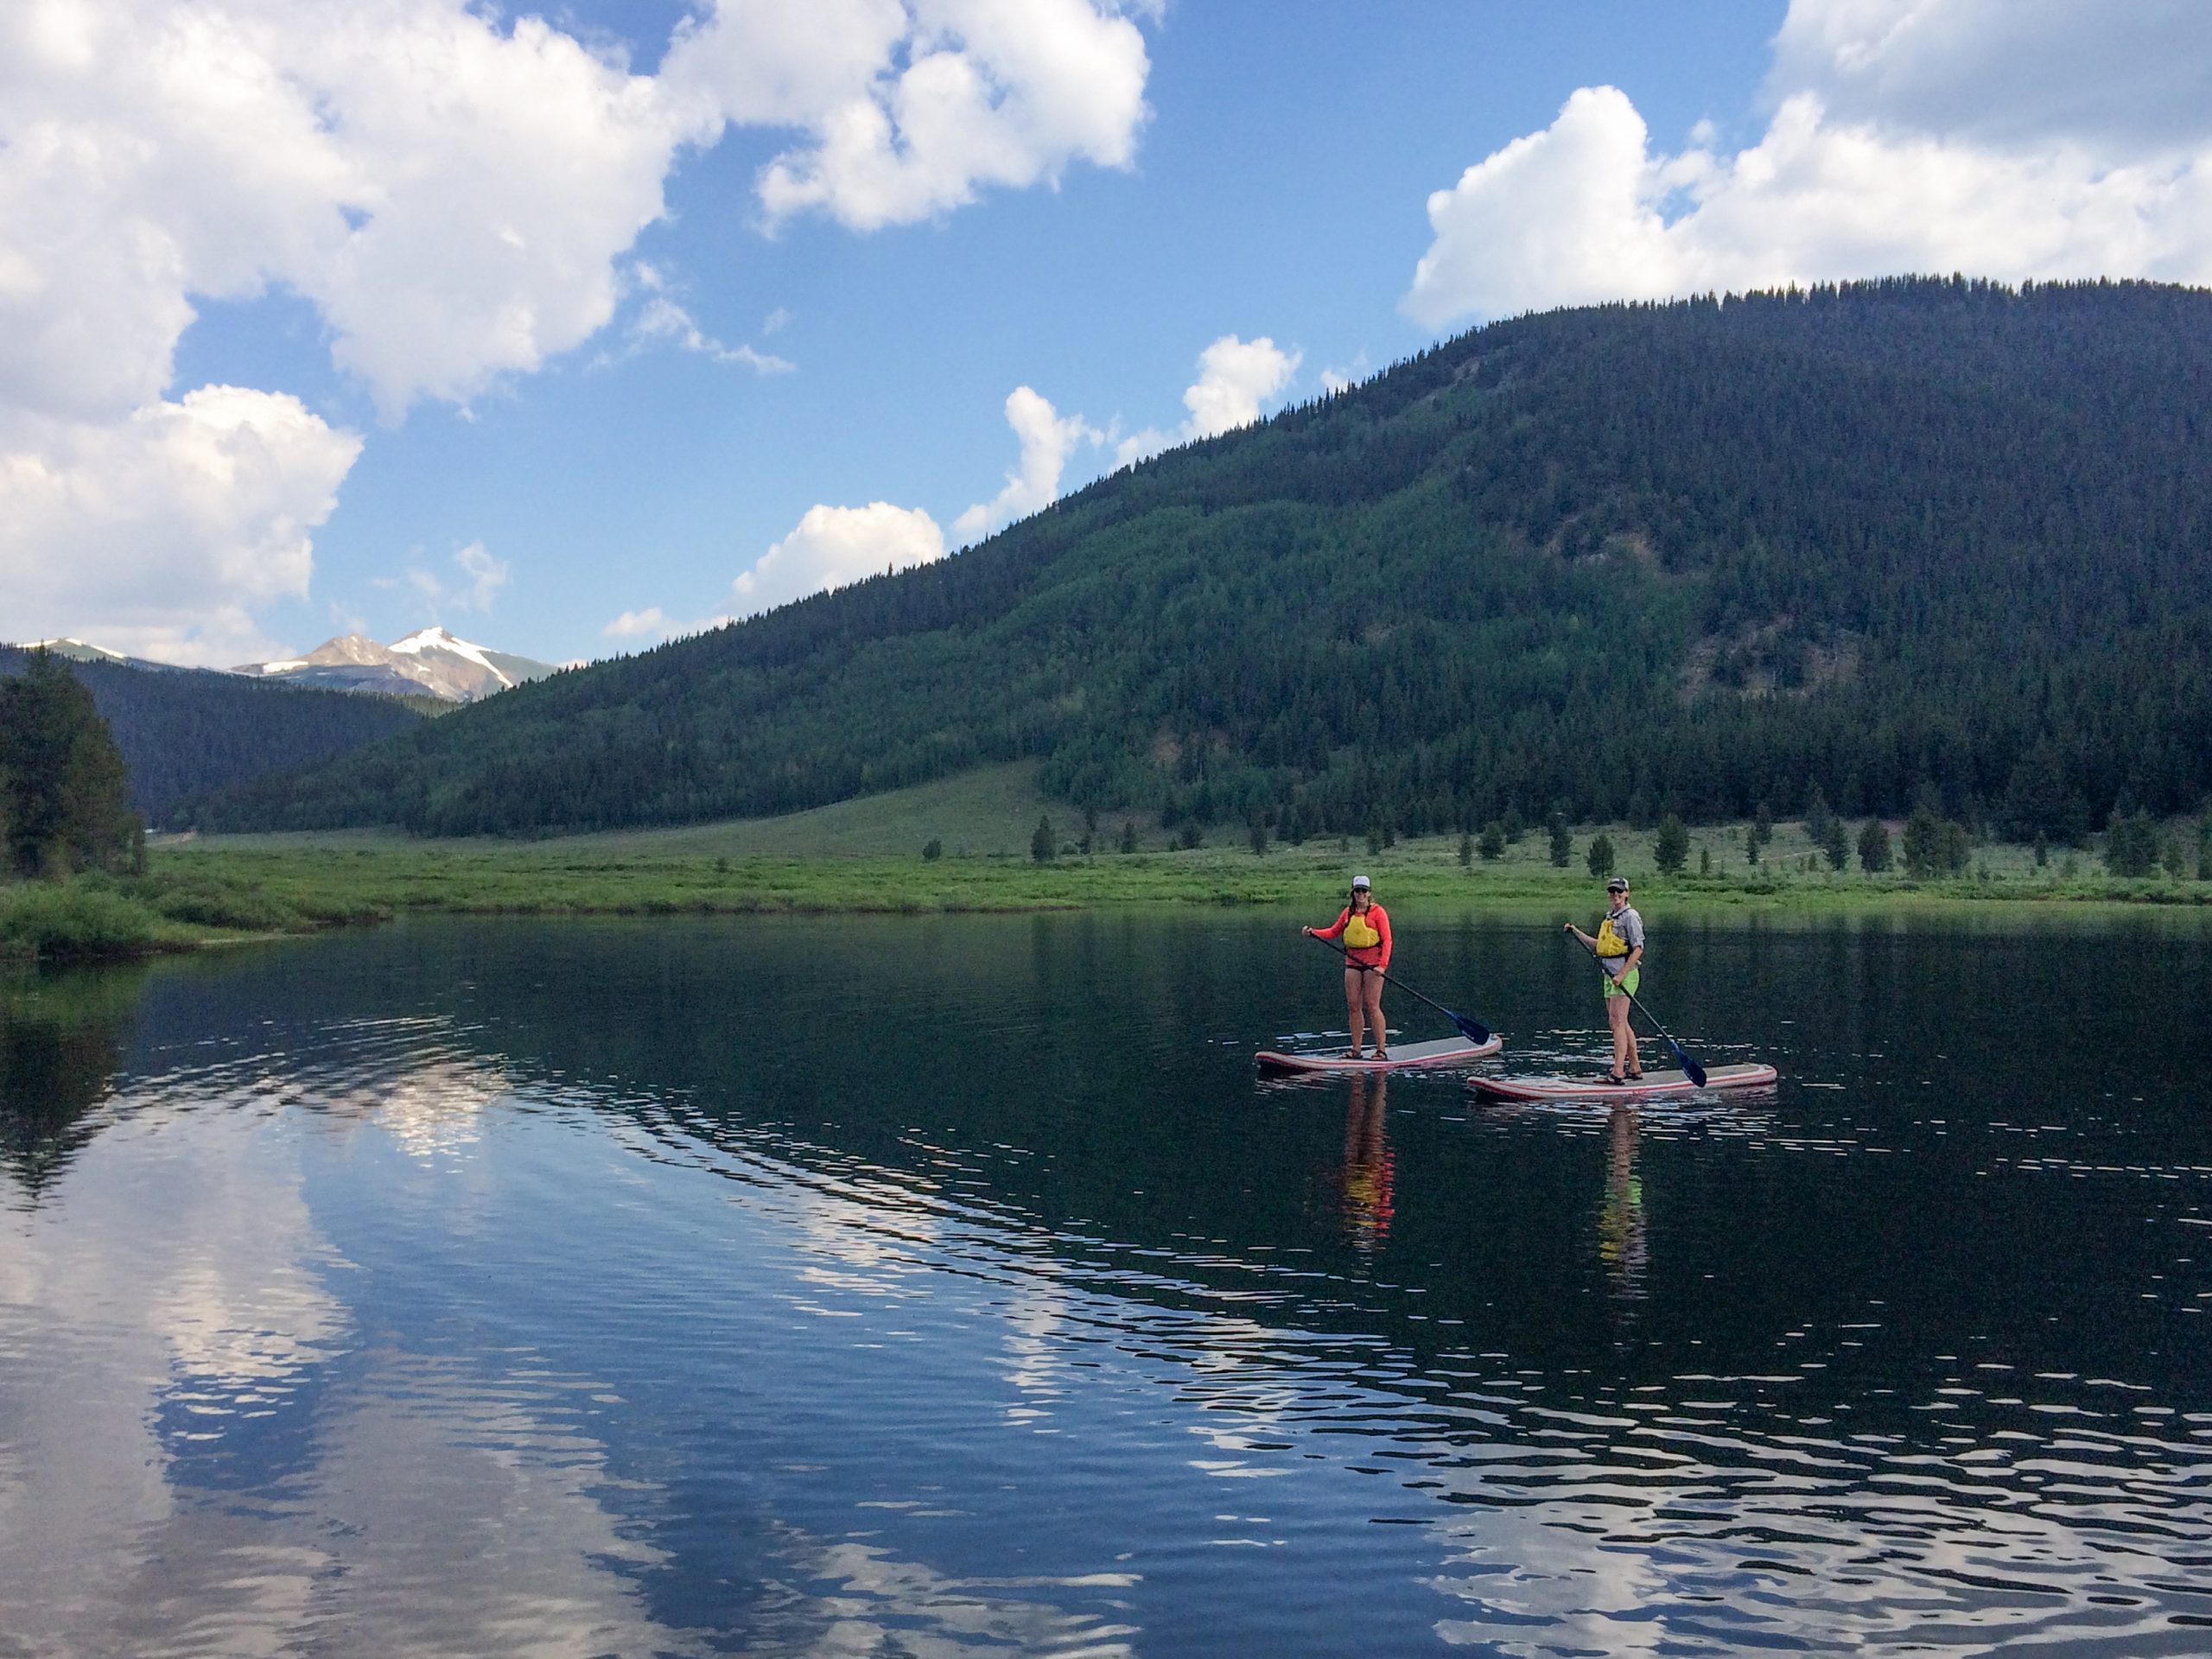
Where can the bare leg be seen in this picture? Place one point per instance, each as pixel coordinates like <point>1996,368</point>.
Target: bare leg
<point>1624,1055</point>
<point>1374,994</point>
<point>1356,1006</point>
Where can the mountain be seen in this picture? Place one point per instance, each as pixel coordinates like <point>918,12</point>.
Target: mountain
<point>430,661</point>
<point>1900,540</point>
<point>186,731</point>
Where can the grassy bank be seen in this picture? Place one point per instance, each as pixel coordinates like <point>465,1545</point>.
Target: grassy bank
<point>200,891</point>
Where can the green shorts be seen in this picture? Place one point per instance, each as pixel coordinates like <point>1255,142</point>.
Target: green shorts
<point>1627,983</point>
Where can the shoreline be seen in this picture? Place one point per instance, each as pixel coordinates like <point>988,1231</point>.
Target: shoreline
<point>204,892</point>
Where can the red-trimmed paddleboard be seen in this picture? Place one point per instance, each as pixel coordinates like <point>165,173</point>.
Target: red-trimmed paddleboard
<point>1448,1051</point>
<point>1654,1082</point>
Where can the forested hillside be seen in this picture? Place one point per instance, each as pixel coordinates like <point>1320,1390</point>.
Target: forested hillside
<point>183,733</point>
<point>1893,538</point>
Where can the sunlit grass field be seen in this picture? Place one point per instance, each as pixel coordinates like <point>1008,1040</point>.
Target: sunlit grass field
<point>867,856</point>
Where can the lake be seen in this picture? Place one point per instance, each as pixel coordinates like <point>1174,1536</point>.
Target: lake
<point>950,1286</point>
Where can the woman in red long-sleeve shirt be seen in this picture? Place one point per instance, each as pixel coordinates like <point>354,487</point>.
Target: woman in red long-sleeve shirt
<point>1365,927</point>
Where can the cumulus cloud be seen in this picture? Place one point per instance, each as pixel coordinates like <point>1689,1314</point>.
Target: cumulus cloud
<point>834,546</point>
<point>909,110</point>
<point>1047,442</point>
<point>171,525</point>
<point>651,623</point>
<point>1906,135</point>
<point>1235,378</point>
<point>452,189</point>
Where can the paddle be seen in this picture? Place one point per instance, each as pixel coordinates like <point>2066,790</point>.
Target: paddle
<point>1473,1029</point>
<point>1691,1069</point>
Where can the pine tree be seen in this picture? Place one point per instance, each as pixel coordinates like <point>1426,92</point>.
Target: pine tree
<point>1492,845</point>
<point>1836,843</point>
<point>1670,848</point>
<point>1600,858</point>
<point>1041,845</point>
<point>1874,847</point>
<point>1129,835</point>
<point>67,800</point>
<point>1562,844</point>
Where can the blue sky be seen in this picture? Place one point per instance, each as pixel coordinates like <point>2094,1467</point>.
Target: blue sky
<point>530,345</point>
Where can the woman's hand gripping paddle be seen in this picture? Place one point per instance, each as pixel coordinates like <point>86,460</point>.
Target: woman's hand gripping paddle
<point>1473,1029</point>
<point>1691,1069</point>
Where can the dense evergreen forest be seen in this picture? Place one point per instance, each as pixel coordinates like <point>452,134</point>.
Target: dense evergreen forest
<point>64,805</point>
<point>183,733</point>
<point>1915,540</point>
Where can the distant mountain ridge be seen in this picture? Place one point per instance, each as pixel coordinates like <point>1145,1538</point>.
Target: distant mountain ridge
<point>429,660</point>
<point>1892,540</point>
<point>185,733</point>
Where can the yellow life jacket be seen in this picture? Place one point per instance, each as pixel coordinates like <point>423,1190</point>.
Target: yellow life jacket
<point>1360,934</point>
<point>1610,944</point>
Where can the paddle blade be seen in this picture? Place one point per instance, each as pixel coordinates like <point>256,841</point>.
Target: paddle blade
<point>1691,1069</point>
<point>1473,1029</point>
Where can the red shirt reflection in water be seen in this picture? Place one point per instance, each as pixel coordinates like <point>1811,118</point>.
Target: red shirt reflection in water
<point>1369,1165</point>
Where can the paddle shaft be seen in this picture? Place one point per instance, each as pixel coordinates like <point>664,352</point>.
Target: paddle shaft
<point>1696,1072</point>
<point>1473,1029</point>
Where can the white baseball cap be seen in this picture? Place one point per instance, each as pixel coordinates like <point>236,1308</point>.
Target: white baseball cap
<point>1360,881</point>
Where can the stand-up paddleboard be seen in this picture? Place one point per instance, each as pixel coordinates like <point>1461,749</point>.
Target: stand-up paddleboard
<point>1652,1083</point>
<point>1448,1051</point>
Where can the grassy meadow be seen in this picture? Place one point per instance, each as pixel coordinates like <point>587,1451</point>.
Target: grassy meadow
<point>867,856</point>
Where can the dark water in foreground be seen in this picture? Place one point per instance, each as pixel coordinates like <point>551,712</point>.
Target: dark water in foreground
<point>950,1287</point>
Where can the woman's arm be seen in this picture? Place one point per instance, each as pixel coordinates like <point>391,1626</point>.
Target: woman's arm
<point>1382,920</point>
<point>1336,928</point>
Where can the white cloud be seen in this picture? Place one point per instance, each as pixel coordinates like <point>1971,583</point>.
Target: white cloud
<point>663,318</point>
<point>482,579</point>
<point>650,623</point>
<point>834,546</point>
<point>1047,442</point>
<point>170,527</point>
<point>452,188</point>
<point>1906,135</point>
<point>1235,378</point>
<point>909,110</point>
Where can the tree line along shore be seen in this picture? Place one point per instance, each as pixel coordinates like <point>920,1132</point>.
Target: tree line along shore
<point>195,893</point>
<point>81,879</point>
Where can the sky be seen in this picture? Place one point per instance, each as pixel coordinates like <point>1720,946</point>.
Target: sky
<point>578,329</point>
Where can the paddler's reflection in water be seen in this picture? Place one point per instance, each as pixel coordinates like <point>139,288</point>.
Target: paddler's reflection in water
<point>1622,1245</point>
<point>1365,1183</point>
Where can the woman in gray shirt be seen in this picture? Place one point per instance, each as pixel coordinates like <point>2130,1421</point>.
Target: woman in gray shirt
<point>1619,945</point>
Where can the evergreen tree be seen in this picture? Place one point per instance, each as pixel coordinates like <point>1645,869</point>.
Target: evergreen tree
<point>1600,858</point>
<point>1704,860</point>
<point>1466,850</point>
<point>1819,819</point>
<point>1259,835</point>
<point>1934,845</point>
<point>1041,844</point>
<point>933,849</point>
<point>1670,848</point>
<point>1835,841</point>
<point>1562,844</point>
<point>1763,824</point>
<point>1492,845</point>
<point>1129,835</point>
<point>67,802</point>
<point>1874,847</point>
<point>2131,845</point>
<point>1751,845</point>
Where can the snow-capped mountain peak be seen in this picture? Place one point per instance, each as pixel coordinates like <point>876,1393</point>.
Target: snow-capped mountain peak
<point>428,661</point>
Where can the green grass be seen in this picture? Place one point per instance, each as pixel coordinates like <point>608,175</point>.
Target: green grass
<point>866,856</point>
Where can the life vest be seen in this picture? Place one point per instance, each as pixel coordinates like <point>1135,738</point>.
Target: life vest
<point>1360,934</point>
<point>1610,944</point>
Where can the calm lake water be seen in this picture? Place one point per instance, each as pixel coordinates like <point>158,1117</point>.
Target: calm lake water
<point>951,1286</point>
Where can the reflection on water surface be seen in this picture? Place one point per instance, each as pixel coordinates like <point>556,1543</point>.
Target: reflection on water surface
<point>531,1289</point>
